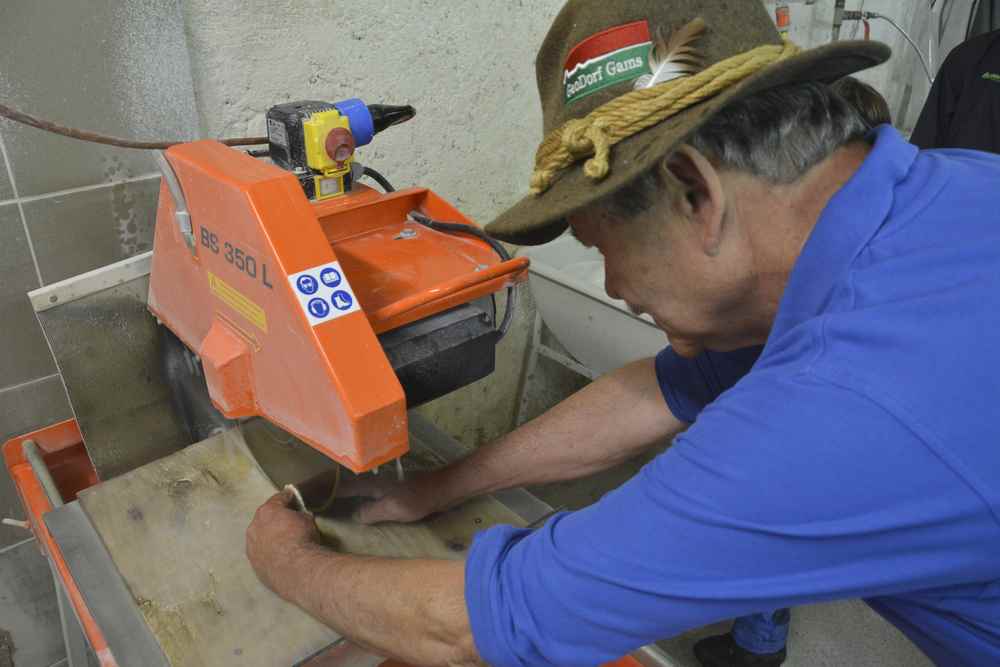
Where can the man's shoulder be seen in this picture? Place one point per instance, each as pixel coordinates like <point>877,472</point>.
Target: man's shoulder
<point>948,180</point>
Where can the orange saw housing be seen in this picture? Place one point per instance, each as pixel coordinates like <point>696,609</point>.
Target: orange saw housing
<point>283,298</point>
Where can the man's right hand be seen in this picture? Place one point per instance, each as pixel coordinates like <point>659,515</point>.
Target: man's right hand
<point>602,425</point>
<point>392,500</point>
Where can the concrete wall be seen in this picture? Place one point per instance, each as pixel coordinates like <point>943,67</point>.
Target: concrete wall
<point>467,67</point>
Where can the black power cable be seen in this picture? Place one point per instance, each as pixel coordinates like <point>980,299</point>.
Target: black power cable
<point>378,178</point>
<point>472,230</point>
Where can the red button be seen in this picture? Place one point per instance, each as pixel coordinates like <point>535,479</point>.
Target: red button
<point>340,145</point>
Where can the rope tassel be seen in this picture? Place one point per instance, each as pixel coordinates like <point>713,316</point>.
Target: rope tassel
<point>593,136</point>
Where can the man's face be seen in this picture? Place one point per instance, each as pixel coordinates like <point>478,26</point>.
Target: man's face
<point>658,263</point>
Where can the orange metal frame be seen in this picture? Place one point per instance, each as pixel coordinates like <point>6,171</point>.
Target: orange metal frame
<point>230,299</point>
<point>61,446</point>
<point>62,450</point>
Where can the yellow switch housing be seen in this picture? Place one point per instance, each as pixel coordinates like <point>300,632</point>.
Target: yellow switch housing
<point>315,131</point>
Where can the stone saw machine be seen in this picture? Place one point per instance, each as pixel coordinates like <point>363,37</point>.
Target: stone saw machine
<point>286,319</point>
<point>313,300</point>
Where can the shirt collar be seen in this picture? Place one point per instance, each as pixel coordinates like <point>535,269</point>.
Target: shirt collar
<point>848,222</point>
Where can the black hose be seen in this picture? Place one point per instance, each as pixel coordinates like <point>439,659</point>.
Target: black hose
<point>378,178</point>
<point>508,315</point>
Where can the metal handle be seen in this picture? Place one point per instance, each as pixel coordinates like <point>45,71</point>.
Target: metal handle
<point>180,204</point>
<point>42,474</point>
<point>450,287</point>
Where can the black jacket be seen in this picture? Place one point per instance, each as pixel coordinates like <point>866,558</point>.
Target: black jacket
<point>963,107</point>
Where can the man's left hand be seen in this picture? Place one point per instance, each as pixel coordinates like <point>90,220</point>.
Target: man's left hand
<point>277,538</point>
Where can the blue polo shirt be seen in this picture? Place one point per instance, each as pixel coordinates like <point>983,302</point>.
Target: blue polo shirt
<point>858,458</point>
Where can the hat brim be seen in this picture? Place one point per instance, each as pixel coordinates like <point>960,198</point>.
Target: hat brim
<point>538,219</point>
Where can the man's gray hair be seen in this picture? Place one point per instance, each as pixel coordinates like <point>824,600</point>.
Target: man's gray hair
<point>777,135</point>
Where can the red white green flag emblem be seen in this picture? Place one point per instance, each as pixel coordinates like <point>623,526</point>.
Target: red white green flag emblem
<point>613,56</point>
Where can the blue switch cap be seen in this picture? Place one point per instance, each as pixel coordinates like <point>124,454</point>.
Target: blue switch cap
<point>360,118</point>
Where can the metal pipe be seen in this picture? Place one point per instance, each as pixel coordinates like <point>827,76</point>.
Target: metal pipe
<point>920,56</point>
<point>34,456</point>
<point>855,15</point>
<point>838,19</point>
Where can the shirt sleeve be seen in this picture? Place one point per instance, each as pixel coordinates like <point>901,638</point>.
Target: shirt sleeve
<point>688,385</point>
<point>783,493</point>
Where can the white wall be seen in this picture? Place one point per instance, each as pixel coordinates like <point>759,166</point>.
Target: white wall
<point>901,80</point>
<point>812,25</point>
<point>468,68</point>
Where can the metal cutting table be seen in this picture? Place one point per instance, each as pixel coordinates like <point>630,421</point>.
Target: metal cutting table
<point>101,313</point>
<point>87,578</point>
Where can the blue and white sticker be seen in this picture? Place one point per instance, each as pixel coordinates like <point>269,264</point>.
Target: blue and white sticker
<point>318,308</point>
<point>306,284</point>
<point>324,293</point>
<point>330,277</point>
<point>342,300</point>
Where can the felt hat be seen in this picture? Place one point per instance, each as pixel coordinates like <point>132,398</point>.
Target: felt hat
<point>598,51</point>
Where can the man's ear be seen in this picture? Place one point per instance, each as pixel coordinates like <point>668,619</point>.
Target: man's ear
<point>702,199</point>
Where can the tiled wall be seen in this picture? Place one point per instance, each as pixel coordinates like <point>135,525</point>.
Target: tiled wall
<point>66,206</point>
<point>27,607</point>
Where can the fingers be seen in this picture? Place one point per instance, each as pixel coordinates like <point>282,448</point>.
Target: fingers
<point>363,487</point>
<point>375,512</point>
<point>283,498</point>
<point>279,501</point>
<point>317,486</point>
<point>393,509</point>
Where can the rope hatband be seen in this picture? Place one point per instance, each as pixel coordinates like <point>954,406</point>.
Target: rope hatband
<point>593,135</point>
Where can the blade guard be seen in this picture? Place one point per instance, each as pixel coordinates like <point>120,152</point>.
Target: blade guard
<point>230,300</point>
<point>227,283</point>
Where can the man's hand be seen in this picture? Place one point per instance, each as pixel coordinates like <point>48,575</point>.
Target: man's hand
<point>392,500</point>
<point>359,596</point>
<point>276,537</point>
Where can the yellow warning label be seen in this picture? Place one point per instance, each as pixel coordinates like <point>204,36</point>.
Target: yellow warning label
<point>233,298</point>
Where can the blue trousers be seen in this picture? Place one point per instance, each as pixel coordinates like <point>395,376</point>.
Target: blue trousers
<point>766,632</point>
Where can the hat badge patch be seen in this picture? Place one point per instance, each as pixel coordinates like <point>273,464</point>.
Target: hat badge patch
<point>612,56</point>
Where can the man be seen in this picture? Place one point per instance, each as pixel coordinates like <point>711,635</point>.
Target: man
<point>963,107</point>
<point>741,204</point>
<point>761,638</point>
